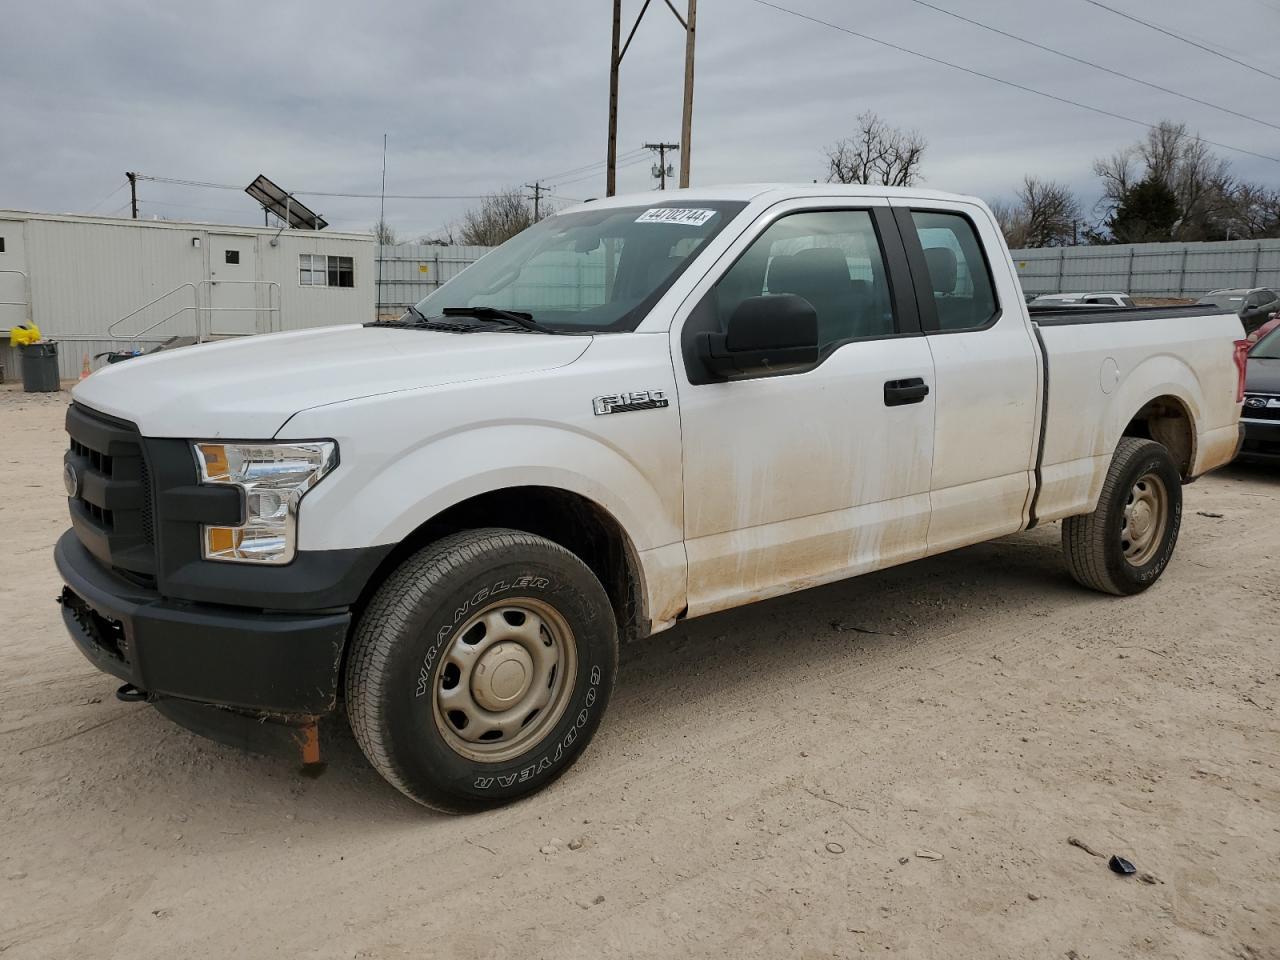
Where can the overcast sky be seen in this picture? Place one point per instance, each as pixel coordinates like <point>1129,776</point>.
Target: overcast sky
<point>480,95</point>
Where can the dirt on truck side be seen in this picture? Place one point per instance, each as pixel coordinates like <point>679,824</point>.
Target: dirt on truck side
<point>892,765</point>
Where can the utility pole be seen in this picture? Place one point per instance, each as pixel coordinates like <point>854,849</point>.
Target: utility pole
<point>618,51</point>
<point>661,149</point>
<point>538,190</point>
<point>133,192</point>
<point>686,121</point>
<point>615,59</point>
<point>382,227</point>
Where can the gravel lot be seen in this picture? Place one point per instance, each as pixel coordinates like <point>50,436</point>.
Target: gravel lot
<point>890,765</point>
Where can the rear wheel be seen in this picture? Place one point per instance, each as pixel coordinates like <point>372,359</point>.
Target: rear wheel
<point>481,669</point>
<point>1125,544</point>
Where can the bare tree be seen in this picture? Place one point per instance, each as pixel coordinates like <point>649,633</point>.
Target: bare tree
<point>384,233</point>
<point>877,153</point>
<point>1254,212</point>
<point>1173,156</point>
<point>1012,222</point>
<point>1050,211</point>
<point>1045,214</point>
<point>499,217</point>
<point>446,236</point>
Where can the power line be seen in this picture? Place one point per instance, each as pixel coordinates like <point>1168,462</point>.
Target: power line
<point>188,183</point>
<point>118,188</point>
<point>321,193</point>
<point>1090,63</point>
<point>1000,80</point>
<point>643,158</point>
<point>591,166</point>
<point>183,205</point>
<point>1169,33</point>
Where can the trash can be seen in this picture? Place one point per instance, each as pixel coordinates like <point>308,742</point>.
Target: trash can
<point>40,367</point>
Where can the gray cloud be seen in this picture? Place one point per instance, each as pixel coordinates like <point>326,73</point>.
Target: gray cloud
<point>480,95</point>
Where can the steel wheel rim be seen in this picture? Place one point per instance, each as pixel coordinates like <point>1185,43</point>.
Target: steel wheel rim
<point>1146,514</point>
<point>505,680</point>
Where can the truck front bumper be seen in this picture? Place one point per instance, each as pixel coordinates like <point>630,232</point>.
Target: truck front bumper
<point>274,664</point>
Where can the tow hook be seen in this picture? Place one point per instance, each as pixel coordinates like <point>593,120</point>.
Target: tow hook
<point>307,738</point>
<point>131,694</point>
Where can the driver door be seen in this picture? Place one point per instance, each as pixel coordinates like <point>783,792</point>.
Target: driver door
<point>804,476</point>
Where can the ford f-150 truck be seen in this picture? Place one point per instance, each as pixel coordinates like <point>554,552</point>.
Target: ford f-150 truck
<point>639,411</point>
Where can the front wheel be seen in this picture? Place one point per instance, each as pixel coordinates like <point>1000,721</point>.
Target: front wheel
<point>481,668</point>
<point>1125,544</point>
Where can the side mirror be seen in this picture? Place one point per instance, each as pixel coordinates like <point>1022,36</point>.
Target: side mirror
<point>764,333</point>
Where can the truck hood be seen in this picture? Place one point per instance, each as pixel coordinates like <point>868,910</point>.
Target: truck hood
<point>248,388</point>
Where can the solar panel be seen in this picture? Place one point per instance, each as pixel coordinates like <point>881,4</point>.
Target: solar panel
<point>275,199</point>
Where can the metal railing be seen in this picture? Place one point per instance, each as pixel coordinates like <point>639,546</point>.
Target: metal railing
<point>272,307</point>
<point>195,300</point>
<point>26,293</point>
<point>204,313</point>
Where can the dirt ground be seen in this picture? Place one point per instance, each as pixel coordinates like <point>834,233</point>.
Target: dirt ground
<point>887,766</point>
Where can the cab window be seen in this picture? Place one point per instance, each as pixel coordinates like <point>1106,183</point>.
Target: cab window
<point>832,259</point>
<point>958,274</point>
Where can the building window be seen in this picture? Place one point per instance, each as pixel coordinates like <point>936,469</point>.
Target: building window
<point>1,244</point>
<point>318,270</point>
<point>233,256</point>
<point>341,272</point>
<point>311,270</point>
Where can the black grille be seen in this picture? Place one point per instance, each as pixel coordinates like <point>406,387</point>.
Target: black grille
<point>111,509</point>
<point>1251,412</point>
<point>148,520</point>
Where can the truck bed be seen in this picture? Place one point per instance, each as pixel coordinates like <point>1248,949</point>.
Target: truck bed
<point>1064,316</point>
<point>1099,377</point>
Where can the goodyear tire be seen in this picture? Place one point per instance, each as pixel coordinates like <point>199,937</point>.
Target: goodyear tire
<point>1126,543</point>
<point>481,669</point>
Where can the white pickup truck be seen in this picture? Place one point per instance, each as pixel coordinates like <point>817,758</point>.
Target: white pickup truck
<point>639,411</point>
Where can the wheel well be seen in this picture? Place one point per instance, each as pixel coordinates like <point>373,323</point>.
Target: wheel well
<point>1166,420</point>
<point>581,526</point>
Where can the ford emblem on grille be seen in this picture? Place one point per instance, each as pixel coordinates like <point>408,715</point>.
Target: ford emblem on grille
<point>71,480</point>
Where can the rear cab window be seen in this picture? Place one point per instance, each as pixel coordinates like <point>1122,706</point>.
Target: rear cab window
<point>957,271</point>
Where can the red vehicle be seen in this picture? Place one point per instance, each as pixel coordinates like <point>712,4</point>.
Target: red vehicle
<point>1272,322</point>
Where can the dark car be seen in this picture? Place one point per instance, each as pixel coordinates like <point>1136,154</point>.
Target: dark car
<point>1254,304</point>
<point>1261,412</point>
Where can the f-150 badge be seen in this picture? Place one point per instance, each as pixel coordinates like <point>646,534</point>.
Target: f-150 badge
<point>626,402</point>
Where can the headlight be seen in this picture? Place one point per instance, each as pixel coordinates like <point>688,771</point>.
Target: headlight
<point>274,478</point>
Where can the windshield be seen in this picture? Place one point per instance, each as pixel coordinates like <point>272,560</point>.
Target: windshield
<point>1268,348</point>
<point>591,271</point>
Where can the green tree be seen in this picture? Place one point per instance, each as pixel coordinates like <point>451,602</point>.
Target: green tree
<point>1146,212</point>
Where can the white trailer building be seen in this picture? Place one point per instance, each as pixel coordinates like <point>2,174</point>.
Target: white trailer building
<point>96,284</point>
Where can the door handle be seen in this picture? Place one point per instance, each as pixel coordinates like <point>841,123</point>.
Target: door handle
<point>910,390</point>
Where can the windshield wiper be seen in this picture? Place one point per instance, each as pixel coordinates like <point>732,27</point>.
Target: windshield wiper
<point>422,321</point>
<point>514,317</point>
